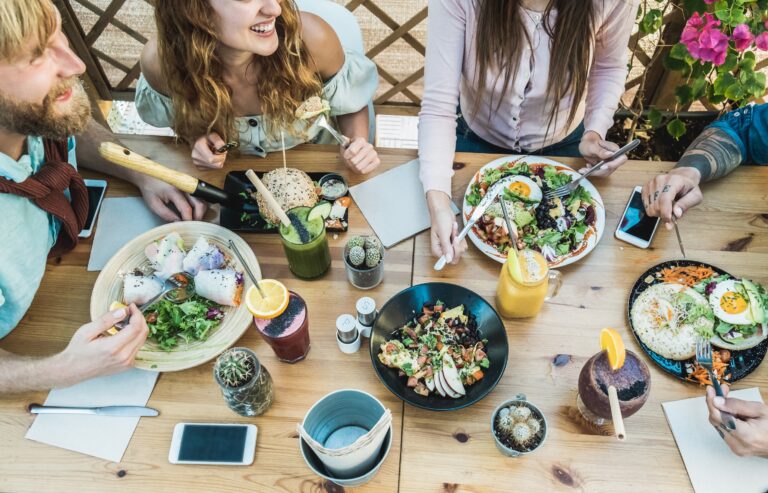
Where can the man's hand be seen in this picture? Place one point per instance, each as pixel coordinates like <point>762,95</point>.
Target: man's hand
<point>90,354</point>
<point>595,149</point>
<point>669,196</point>
<point>158,195</point>
<point>444,228</point>
<point>204,154</point>
<point>751,434</point>
<point>360,156</point>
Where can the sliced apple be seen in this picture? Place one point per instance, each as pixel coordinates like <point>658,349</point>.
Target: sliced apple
<point>439,385</point>
<point>451,376</point>
<point>430,384</point>
<point>446,387</point>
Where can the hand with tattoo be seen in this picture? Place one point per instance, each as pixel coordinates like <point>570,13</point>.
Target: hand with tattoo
<point>751,434</point>
<point>669,196</point>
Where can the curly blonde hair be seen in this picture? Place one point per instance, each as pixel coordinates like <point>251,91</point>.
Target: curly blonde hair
<point>193,71</point>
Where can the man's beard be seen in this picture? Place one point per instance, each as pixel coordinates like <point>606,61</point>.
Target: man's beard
<point>44,119</point>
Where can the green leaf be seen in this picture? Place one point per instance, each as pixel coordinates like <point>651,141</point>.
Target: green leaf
<point>722,82</point>
<point>684,95</point>
<point>675,64</point>
<point>679,52</point>
<point>698,87</point>
<point>651,21</point>
<point>723,15</point>
<point>730,64</point>
<point>734,92</point>
<point>654,117</point>
<point>737,17</point>
<point>676,128</point>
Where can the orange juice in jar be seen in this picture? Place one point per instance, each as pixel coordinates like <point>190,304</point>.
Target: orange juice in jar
<point>525,284</point>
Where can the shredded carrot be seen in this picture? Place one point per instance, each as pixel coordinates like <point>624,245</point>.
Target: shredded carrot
<point>688,276</point>
<point>719,366</point>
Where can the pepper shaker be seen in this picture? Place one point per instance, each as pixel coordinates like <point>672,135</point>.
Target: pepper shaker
<point>366,315</point>
<point>347,335</point>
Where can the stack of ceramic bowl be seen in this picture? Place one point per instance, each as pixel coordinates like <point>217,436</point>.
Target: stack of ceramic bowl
<point>346,436</point>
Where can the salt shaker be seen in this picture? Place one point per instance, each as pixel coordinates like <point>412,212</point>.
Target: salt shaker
<point>347,335</point>
<point>366,315</point>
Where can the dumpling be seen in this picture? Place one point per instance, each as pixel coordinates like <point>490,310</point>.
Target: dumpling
<point>203,256</point>
<point>166,255</point>
<point>140,289</point>
<point>222,286</point>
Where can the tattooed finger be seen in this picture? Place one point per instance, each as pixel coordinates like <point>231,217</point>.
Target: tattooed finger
<point>655,195</point>
<point>666,189</point>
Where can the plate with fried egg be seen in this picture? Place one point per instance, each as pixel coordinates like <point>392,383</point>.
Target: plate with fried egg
<point>674,304</point>
<point>563,230</point>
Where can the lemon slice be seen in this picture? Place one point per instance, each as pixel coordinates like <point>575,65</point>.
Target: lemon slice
<point>272,304</point>
<point>115,305</point>
<point>610,341</point>
<point>513,265</point>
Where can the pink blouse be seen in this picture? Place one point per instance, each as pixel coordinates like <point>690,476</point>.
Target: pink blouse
<point>520,123</point>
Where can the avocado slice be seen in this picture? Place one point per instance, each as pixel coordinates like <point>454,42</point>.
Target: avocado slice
<point>756,307</point>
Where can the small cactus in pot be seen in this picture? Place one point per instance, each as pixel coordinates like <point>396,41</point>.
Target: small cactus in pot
<point>364,261</point>
<point>245,384</point>
<point>518,427</point>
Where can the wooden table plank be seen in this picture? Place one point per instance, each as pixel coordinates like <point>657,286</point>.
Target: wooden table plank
<point>61,306</point>
<point>458,446</point>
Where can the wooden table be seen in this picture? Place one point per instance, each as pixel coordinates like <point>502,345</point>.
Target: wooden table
<point>431,452</point>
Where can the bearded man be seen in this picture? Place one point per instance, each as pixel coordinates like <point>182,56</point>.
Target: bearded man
<point>43,200</point>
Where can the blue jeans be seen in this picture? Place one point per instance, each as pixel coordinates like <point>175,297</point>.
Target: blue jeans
<point>469,141</point>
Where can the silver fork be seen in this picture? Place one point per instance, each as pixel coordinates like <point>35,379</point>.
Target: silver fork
<point>568,188</point>
<point>169,285</point>
<point>704,359</point>
<point>322,122</point>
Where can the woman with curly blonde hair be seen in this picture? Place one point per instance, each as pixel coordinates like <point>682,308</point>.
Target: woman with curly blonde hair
<point>225,71</point>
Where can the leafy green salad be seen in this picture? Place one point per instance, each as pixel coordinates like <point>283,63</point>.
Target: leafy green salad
<point>555,227</point>
<point>170,323</point>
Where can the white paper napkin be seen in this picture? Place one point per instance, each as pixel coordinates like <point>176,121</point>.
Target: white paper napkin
<point>394,203</point>
<point>711,465</point>
<point>105,437</point>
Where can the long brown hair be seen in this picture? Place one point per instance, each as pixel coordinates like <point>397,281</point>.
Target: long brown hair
<point>193,71</point>
<point>501,38</point>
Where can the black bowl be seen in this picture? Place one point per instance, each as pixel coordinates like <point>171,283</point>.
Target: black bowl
<point>402,307</point>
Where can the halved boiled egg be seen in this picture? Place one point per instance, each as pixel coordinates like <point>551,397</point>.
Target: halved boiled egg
<point>522,186</point>
<point>730,303</point>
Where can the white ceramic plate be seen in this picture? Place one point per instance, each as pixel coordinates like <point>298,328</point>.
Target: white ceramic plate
<point>109,288</point>
<point>591,240</point>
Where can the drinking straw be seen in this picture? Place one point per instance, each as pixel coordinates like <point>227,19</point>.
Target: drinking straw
<point>618,419</point>
<point>271,202</point>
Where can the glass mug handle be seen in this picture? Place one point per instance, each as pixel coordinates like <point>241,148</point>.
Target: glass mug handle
<point>555,282</point>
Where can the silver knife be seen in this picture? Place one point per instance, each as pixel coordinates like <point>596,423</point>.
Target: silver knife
<point>490,196</point>
<point>679,240</point>
<point>100,411</point>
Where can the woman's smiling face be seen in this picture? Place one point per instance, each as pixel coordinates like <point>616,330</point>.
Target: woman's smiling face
<point>247,25</point>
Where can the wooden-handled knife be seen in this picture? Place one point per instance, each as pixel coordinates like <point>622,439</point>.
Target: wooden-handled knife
<point>184,182</point>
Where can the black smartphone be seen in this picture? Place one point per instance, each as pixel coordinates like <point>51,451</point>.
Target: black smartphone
<point>96,191</point>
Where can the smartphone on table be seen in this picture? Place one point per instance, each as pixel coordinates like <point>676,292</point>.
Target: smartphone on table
<point>96,191</point>
<point>213,444</point>
<point>635,226</point>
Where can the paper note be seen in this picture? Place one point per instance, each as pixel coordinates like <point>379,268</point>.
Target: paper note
<point>394,203</point>
<point>105,437</point>
<point>711,465</point>
<point>120,221</point>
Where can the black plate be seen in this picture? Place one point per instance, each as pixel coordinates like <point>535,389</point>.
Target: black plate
<point>742,362</point>
<point>402,307</point>
<point>250,220</point>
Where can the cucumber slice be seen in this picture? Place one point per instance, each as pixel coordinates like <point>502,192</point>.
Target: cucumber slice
<point>321,210</point>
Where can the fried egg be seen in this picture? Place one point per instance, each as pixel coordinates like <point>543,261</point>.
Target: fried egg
<point>523,186</point>
<point>730,303</point>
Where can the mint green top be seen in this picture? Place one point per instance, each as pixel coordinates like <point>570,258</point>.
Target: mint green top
<point>350,90</point>
<point>28,234</point>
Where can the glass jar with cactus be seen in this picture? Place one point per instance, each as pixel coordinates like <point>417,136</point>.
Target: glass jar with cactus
<point>364,261</point>
<point>245,384</point>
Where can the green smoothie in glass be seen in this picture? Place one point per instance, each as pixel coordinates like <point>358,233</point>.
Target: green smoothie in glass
<point>305,244</point>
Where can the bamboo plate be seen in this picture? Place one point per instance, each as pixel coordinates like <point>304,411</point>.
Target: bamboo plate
<point>109,288</point>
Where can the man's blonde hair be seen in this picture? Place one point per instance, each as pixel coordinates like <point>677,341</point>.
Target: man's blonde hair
<point>25,21</point>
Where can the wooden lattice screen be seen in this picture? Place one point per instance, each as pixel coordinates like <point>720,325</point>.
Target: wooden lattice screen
<point>109,36</point>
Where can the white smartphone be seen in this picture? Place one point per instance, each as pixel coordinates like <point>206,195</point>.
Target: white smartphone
<point>96,191</point>
<point>635,226</point>
<point>213,444</point>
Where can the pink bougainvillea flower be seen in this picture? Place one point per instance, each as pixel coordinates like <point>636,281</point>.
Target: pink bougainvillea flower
<point>713,46</point>
<point>742,37</point>
<point>761,41</point>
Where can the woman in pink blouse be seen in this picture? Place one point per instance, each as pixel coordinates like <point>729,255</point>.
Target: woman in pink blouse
<point>525,77</point>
